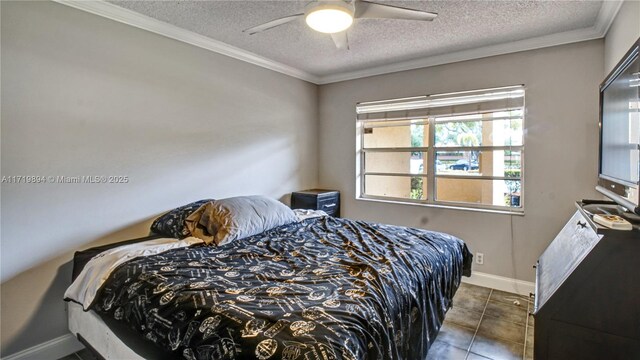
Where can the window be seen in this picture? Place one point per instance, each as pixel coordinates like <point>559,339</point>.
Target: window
<point>459,149</point>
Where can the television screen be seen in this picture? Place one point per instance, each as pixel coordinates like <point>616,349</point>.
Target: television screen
<point>620,133</point>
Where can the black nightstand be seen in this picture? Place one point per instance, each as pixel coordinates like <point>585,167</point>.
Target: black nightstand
<point>317,199</point>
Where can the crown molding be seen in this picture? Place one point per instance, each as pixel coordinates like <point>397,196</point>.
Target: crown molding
<point>605,18</point>
<point>607,14</point>
<point>477,53</point>
<point>126,16</point>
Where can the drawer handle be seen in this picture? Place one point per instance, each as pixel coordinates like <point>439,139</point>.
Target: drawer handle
<point>329,205</point>
<point>582,224</point>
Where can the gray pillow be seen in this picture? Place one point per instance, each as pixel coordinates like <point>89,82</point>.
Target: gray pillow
<point>239,217</point>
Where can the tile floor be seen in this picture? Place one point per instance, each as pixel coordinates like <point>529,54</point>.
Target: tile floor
<point>83,354</point>
<point>483,324</point>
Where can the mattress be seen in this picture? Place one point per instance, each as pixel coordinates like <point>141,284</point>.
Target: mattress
<point>323,288</point>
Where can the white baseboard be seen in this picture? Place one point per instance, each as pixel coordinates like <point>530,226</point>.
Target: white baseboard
<point>500,283</point>
<point>52,349</point>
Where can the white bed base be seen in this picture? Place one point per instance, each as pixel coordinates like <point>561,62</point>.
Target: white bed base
<point>103,340</point>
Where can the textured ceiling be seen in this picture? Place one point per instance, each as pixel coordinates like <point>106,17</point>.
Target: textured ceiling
<point>460,25</point>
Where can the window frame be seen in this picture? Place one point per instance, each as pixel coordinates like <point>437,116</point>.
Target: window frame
<point>431,175</point>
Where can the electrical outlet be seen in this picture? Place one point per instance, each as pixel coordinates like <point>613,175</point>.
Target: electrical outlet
<point>479,258</point>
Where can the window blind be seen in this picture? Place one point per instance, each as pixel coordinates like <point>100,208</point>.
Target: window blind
<point>442,105</point>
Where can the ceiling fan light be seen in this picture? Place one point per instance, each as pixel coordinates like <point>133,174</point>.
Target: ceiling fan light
<point>329,19</point>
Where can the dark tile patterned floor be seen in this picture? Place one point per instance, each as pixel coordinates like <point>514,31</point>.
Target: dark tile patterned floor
<point>483,324</point>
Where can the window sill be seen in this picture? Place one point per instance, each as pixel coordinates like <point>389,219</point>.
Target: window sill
<point>441,206</point>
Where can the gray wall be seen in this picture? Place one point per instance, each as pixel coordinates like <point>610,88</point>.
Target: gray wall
<point>561,144</point>
<point>83,95</point>
<point>624,31</point>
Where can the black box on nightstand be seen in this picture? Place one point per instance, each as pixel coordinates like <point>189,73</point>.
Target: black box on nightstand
<point>317,199</point>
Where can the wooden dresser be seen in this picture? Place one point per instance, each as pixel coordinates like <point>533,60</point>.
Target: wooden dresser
<point>587,300</point>
<point>317,199</point>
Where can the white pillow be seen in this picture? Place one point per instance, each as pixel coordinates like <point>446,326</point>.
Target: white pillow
<point>243,216</point>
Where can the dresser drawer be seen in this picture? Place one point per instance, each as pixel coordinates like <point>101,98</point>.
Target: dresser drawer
<point>329,203</point>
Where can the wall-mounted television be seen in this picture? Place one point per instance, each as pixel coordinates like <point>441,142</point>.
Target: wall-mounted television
<point>619,165</point>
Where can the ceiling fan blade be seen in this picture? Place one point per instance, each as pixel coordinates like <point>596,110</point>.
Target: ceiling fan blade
<point>341,40</point>
<point>367,9</point>
<point>272,24</point>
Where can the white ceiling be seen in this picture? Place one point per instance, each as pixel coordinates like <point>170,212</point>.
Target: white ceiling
<point>379,44</point>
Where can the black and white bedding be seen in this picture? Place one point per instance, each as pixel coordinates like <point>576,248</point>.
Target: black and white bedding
<point>322,288</point>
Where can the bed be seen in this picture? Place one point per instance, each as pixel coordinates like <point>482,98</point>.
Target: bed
<point>319,288</point>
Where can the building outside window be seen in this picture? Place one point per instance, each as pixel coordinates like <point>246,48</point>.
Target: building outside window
<point>460,149</point>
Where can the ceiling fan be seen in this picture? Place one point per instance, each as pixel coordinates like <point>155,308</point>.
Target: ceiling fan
<point>335,17</point>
